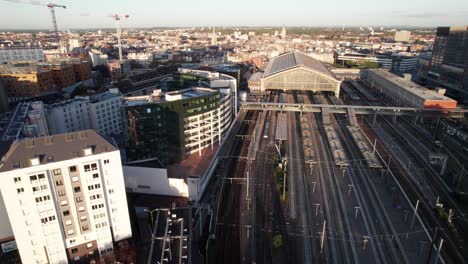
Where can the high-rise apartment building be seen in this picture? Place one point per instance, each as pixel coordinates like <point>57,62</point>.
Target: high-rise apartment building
<point>65,197</point>
<point>449,63</point>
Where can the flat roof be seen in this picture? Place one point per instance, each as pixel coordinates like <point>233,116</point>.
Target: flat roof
<point>174,96</point>
<point>411,87</point>
<point>292,60</point>
<point>51,149</point>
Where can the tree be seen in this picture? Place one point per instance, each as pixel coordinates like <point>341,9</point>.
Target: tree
<point>135,65</point>
<point>154,64</point>
<point>103,70</point>
<point>277,241</point>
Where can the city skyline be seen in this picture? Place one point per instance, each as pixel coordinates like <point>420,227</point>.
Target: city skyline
<point>88,14</point>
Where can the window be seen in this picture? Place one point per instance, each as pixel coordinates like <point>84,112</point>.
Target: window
<point>72,169</point>
<point>89,245</point>
<point>68,222</point>
<point>87,168</point>
<point>35,189</point>
<point>58,183</point>
<point>74,179</point>
<point>41,176</point>
<point>61,193</point>
<point>80,209</point>
<point>57,172</point>
<point>77,189</point>
<point>94,166</point>
<point>106,161</point>
<point>64,203</point>
<point>20,190</point>
<point>66,213</point>
<point>85,228</point>
<point>95,175</point>
<point>33,178</point>
<point>74,250</point>
<point>83,218</point>
<point>17,179</point>
<point>79,199</point>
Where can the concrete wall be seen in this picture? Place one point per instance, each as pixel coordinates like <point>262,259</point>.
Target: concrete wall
<point>153,181</point>
<point>6,232</point>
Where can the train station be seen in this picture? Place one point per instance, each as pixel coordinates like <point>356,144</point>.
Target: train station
<point>298,72</point>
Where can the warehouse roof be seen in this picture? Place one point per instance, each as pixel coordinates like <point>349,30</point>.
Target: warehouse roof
<point>412,87</point>
<point>292,60</point>
<point>54,149</point>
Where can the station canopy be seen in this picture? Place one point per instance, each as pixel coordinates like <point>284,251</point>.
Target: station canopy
<point>297,71</point>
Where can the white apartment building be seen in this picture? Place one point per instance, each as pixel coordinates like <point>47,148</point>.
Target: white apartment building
<point>65,197</point>
<point>141,56</point>
<point>97,58</point>
<point>68,116</point>
<point>105,112</point>
<point>21,54</point>
<point>402,36</point>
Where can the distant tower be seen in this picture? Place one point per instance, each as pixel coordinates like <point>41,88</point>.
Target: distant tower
<point>214,40</point>
<point>343,27</point>
<point>283,33</point>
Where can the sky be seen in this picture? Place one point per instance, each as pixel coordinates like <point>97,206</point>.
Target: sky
<point>187,13</point>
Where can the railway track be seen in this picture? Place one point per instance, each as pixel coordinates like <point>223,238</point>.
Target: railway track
<point>452,253</point>
<point>228,234</point>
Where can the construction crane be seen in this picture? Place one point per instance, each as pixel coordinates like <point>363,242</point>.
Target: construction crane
<point>117,18</point>
<point>51,7</point>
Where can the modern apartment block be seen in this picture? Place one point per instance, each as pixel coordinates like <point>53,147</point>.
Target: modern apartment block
<point>118,68</point>
<point>175,124</point>
<point>23,80</point>
<point>105,112</point>
<point>449,63</point>
<point>68,116</point>
<point>8,54</point>
<point>65,197</point>
<point>97,58</point>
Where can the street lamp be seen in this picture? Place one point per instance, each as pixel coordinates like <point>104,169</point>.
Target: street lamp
<point>153,233</point>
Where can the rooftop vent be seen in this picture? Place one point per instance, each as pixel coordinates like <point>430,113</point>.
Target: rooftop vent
<point>35,161</point>
<point>49,140</point>
<point>69,137</point>
<point>30,143</point>
<point>83,135</point>
<point>88,151</point>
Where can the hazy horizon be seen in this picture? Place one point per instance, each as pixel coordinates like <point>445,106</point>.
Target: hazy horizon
<point>89,14</point>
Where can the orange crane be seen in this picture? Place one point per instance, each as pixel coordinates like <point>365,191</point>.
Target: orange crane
<point>51,7</point>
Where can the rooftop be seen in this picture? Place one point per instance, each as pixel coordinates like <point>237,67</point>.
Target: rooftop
<point>51,149</point>
<point>411,87</point>
<point>292,60</point>
<point>104,96</point>
<point>168,97</point>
